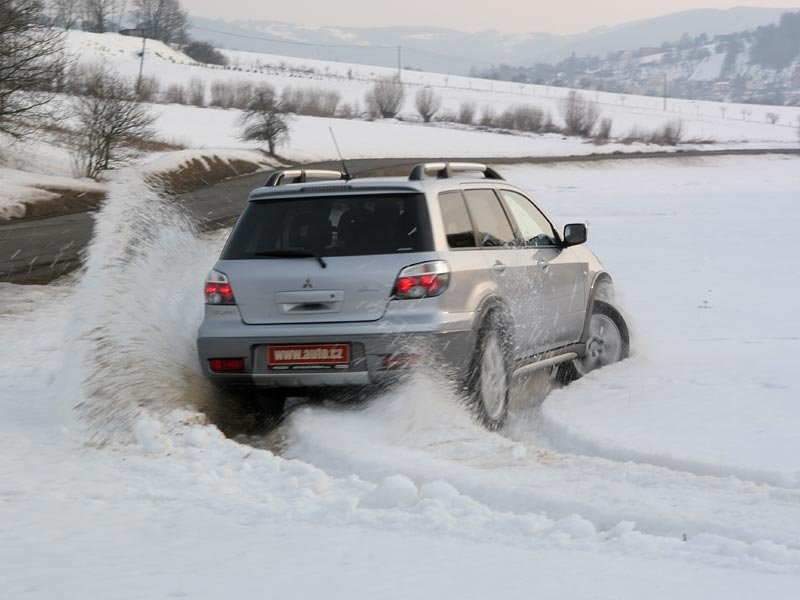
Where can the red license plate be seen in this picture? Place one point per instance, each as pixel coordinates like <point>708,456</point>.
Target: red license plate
<point>309,354</point>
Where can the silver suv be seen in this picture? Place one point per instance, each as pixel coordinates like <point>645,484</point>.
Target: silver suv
<point>331,281</point>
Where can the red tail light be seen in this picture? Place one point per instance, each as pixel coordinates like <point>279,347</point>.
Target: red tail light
<point>422,281</point>
<point>218,289</point>
<point>226,365</point>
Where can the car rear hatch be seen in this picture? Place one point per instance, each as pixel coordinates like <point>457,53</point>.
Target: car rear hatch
<point>323,258</point>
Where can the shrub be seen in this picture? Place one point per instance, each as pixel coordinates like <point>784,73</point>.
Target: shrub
<point>487,118</point>
<point>603,132</point>
<point>428,103</point>
<point>386,97</point>
<point>222,93</point>
<point>196,91</point>
<point>580,115</point>
<point>349,111</point>
<point>523,117</point>
<point>669,134</point>
<point>242,94</point>
<point>772,118</point>
<point>147,88</point>
<point>175,94</point>
<point>314,102</point>
<point>466,113</point>
<point>205,53</point>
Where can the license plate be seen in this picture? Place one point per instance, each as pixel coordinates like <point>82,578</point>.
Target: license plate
<point>308,354</point>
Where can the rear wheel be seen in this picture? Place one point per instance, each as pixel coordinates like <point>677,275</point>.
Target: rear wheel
<point>608,342</point>
<point>490,376</point>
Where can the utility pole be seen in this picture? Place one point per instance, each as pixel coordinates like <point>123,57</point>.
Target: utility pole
<point>665,92</point>
<point>141,64</point>
<point>399,62</point>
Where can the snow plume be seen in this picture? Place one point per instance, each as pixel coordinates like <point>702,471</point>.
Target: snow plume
<point>130,350</point>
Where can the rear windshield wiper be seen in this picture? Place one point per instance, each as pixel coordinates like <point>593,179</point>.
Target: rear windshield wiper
<point>289,253</point>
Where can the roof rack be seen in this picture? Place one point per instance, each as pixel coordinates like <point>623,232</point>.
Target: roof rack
<point>288,176</point>
<point>445,170</point>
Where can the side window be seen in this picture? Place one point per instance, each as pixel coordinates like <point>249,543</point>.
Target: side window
<point>490,219</point>
<point>534,227</point>
<point>457,226</point>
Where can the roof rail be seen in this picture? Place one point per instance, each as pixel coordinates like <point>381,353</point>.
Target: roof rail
<point>288,176</point>
<point>445,170</point>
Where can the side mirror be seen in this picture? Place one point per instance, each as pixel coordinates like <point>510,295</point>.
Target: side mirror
<point>574,234</point>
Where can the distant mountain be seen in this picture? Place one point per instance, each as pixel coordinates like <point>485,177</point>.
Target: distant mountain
<point>451,51</point>
<point>759,65</point>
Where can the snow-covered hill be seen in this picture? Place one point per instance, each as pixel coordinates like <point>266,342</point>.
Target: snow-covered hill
<point>702,120</point>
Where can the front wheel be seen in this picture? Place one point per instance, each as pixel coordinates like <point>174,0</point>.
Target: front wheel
<point>491,375</point>
<point>608,342</point>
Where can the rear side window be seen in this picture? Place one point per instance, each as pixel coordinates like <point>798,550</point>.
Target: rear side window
<point>490,219</point>
<point>457,225</point>
<point>341,225</point>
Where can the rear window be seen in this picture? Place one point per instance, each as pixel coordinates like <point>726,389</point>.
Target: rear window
<point>342,225</point>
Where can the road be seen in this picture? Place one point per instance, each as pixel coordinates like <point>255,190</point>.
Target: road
<point>42,249</point>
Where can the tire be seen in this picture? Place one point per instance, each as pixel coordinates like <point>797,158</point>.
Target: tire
<point>608,342</point>
<point>490,376</point>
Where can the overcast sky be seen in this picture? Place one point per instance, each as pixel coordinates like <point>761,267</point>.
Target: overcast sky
<point>564,16</point>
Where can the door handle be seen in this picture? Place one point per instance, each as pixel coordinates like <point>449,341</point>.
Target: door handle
<point>542,264</point>
<point>498,266</point>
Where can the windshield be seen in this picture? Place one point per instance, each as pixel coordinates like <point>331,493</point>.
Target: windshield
<point>341,225</point>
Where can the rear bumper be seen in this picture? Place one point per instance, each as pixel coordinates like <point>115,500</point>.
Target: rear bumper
<point>444,343</point>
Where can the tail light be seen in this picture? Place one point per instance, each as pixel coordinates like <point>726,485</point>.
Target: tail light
<point>422,281</point>
<point>226,365</point>
<point>218,289</point>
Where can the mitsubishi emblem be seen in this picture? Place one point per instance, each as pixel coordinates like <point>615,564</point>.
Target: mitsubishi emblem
<point>307,284</point>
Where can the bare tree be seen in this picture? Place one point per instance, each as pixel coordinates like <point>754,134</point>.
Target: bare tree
<point>163,20</point>
<point>98,15</point>
<point>580,115</point>
<point>109,117</point>
<point>32,64</point>
<point>386,97</point>
<point>428,103</point>
<point>265,119</point>
<point>65,13</point>
<point>772,118</point>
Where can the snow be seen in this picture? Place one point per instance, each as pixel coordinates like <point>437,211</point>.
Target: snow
<point>672,474</point>
<point>218,131</point>
<point>725,322</point>
<point>702,120</point>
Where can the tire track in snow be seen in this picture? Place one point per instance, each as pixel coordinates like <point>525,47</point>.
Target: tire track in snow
<point>419,433</point>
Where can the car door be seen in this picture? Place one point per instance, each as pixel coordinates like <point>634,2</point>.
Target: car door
<point>498,244</point>
<point>556,306</point>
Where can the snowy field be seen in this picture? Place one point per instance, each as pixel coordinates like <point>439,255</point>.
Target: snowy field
<point>702,120</point>
<point>671,475</point>
<point>30,170</point>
